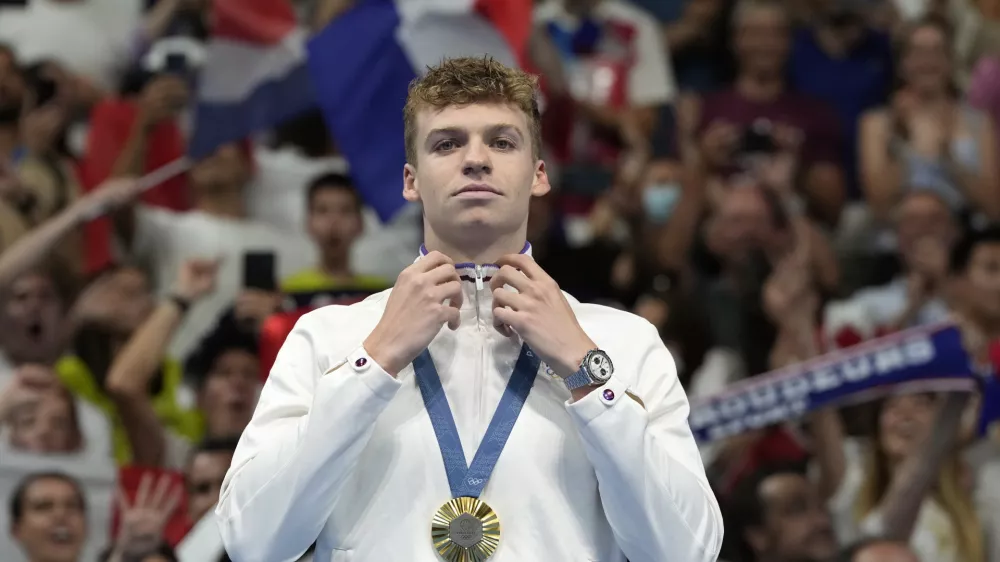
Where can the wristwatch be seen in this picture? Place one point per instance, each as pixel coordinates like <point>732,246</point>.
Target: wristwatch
<point>595,370</point>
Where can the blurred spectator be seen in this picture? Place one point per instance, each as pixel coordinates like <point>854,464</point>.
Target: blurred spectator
<point>334,223</point>
<point>845,61</point>
<point>926,230</point>
<point>38,413</point>
<point>929,138</point>
<point>225,369</point>
<point>49,518</point>
<point>32,310</point>
<point>777,515</point>
<point>216,229</point>
<point>760,124</point>
<point>618,71</point>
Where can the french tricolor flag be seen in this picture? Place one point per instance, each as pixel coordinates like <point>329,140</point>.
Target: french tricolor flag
<point>255,73</point>
<point>362,63</point>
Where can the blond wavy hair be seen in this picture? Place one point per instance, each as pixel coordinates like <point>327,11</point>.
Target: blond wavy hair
<point>954,498</point>
<point>469,80</point>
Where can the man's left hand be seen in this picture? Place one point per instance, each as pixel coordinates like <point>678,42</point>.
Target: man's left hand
<point>539,313</point>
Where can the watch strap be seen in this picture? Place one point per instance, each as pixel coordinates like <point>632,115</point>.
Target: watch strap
<point>579,379</point>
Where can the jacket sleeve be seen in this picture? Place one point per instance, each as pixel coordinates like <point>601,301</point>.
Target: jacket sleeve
<point>300,448</point>
<point>650,475</point>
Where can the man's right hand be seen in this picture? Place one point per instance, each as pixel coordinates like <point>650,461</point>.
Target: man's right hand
<point>427,295</point>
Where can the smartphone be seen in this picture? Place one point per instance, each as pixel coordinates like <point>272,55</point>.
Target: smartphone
<point>176,63</point>
<point>259,271</point>
<point>758,140</point>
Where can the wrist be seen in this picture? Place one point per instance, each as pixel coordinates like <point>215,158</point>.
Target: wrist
<point>180,300</point>
<point>382,358</point>
<point>571,361</point>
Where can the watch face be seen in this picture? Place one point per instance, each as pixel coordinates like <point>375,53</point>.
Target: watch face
<point>599,366</point>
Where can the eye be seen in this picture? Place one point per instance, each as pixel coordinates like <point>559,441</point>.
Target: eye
<point>445,146</point>
<point>504,144</point>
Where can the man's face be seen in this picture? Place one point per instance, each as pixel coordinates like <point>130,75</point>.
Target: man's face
<point>762,39</point>
<point>886,552</point>
<point>53,526</point>
<point>982,281</point>
<point>334,219</point>
<point>475,172</point>
<point>50,426</point>
<point>230,393</point>
<point>796,524</point>
<point>226,170</point>
<point>204,481</point>
<point>31,318</point>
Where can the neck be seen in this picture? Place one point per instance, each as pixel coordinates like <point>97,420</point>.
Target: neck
<point>760,86</point>
<point>476,251</point>
<point>335,264</point>
<point>227,204</point>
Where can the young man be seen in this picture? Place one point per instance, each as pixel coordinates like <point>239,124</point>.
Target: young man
<point>343,450</point>
<point>334,223</point>
<point>49,518</point>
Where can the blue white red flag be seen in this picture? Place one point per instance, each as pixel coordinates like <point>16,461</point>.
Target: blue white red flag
<point>362,63</point>
<point>254,75</point>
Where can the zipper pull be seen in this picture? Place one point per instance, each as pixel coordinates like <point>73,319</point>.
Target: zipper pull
<point>479,278</point>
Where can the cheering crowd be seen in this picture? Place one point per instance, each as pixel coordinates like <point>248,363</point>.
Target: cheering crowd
<point>762,180</point>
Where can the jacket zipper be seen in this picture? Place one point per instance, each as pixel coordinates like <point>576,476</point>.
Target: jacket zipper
<point>483,341</point>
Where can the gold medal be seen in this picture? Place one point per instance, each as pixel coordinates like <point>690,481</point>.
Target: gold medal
<point>465,530</point>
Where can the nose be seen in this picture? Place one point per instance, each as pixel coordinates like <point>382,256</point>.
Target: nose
<point>477,160</point>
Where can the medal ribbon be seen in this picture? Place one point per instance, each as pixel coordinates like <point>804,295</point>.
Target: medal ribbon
<point>924,359</point>
<point>470,480</point>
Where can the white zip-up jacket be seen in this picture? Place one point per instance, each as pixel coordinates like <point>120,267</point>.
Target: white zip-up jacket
<point>340,452</point>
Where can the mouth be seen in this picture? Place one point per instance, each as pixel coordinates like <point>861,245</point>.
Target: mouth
<point>477,190</point>
<point>61,535</point>
<point>35,330</point>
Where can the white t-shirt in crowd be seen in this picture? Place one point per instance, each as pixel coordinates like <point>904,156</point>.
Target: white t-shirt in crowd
<point>166,239</point>
<point>93,38</point>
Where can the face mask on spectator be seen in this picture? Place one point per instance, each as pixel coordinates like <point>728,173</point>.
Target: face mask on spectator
<point>659,200</point>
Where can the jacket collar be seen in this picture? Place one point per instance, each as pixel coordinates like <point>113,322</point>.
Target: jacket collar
<point>467,271</point>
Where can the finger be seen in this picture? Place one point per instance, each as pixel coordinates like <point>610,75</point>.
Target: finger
<point>503,298</point>
<point>143,493</point>
<point>36,377</point>
<point>121,498</point>
<point>432,260</point>
<point>453,316</point>
<point>450,291</point>
<point>505,317</point>
<point>510,276</point>
<point>159,492</point>
<point>525,264</point>
<point>172,501</point>
<point>442,274</point>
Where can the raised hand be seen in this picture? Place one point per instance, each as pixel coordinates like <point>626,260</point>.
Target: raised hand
<point>143,522</point>
<point>29,385</point>
<point>196,278</point>
<point>427,295</point>
<point>539,313</point>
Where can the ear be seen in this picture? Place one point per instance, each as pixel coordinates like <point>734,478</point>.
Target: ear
<point>540,186</point>
<point>411,191</point>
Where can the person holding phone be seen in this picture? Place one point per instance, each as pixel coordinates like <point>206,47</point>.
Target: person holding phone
<point>571,414</point>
